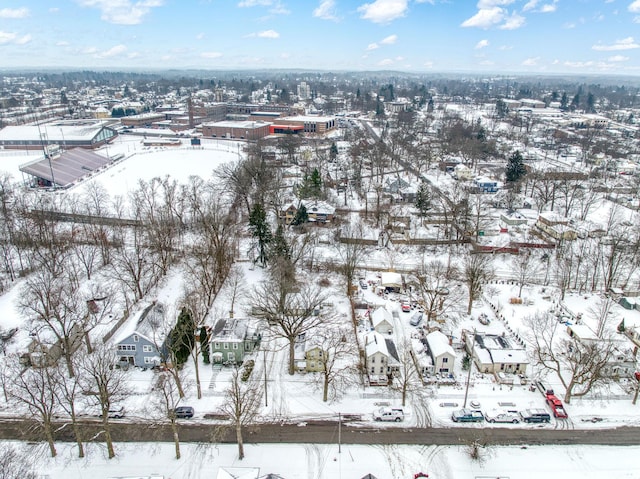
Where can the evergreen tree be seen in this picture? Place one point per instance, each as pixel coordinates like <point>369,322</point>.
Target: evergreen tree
<point>501,108</point>
<point>261,231</point>
<point>204,344</point>
<point>301,216</point>
<point>279,246</point>
<point>591,103</point>
<point>515,169</point>
<point>334,150</point>
<point>423,199</point>
<point>564,101</point>
<point>182,338</point>
<point>311,185</point>
<point>430,106</point>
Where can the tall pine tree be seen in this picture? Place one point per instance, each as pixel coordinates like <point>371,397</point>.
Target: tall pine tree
<point>515,169</point>
<point>261,232</point>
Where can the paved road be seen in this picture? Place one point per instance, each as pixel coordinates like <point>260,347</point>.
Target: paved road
<point>327,433</point>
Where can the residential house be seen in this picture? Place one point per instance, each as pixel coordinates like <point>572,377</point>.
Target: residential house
<point>381,357</point>
<point>231,340</point>
<point>318,212</point>
<point>496,353</point>
<point>382,320</point>
<point>308,355</point>
<point>441,352</point>
<point>556,226</point>
<point>484,184</point>
<point>45,349</point>
<point>146,346</point>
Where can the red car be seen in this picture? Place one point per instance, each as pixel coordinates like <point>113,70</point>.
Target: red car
<point>556,406</point>
<point>406,307</point>
<point>420,474</point>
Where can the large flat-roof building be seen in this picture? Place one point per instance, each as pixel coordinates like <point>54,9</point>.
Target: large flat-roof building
<point>67,134</point>
<point>245,130</point>
<point>311,124</point>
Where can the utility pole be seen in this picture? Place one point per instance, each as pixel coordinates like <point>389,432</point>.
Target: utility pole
<point>466,391</point>
<point>264,355</point>
<point>339,433</point>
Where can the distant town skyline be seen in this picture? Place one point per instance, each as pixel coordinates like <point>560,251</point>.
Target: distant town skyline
<point>515,36</point>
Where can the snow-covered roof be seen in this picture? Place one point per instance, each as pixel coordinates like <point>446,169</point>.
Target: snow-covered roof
<point>389,278</point>
<point>439,344</point>
<point>375,343</point>
<point>379,315</point>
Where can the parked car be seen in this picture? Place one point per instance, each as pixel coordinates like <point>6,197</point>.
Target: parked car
<point>507,416</point>
<point>115,412</point>
<point>406,307</point>
<point>556,406</point>
<point>416,319</point>
<point>535,415</point>
<point>183,412</point>
<point>467,415</point>
<point>389,414</point>
<point>363,284</point>
<point>475,404</point>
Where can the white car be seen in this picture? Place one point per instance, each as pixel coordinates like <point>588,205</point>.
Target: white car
<point>508,416</point>
<point>388,414</point>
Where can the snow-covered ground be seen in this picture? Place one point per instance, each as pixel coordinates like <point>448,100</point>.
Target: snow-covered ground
<point>298,397</point>
<point>318,461</point>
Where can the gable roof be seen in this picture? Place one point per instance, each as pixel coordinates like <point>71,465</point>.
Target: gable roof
<point>439,344</point>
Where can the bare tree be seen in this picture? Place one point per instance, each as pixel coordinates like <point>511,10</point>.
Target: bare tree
<point>15,463</point>
<point>242,402</point>
<point>408,380</point>
<point>335,358</point>
<point>165,399</point>
<point>36,389</point>
<point>525,267</point>
<point>290,309</point>
<point>477,269</point>
<point>107,384</point>
<point>54,308</point>
<point>432,281</point>
<point>69,395</point>
<point>580,365</point>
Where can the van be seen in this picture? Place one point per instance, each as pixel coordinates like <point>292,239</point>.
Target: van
<point>535,415</point>
<point>416,319</point>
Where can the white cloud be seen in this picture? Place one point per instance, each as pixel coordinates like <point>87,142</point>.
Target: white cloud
<point>133,55</point>
<point>513,22</point>
<point>383,11</point>
<point>23,40</point>
<point>268,34</point>
<point>89,50</point>
<point>506,47</point>
<point>211,54</point>
<point>636,19</point>
<point>255,3</point>
<point>276,7</point>
<point>326,10</point>
<point>482,44</point>
<point>12,38</point>
<point>62,43</point>
<point>634,7</point>
<point>428,64</point>
<point>617,58</point>
<point>385,62</point>
<point>530,5</point>
<point>122,12</point>
<point>490,13</point>
<point>530,62</point>
<point>372,46</point>
<point>112,52</point>
<point>485,18</point>
<point>14,12</point>
<point>54,10</point>
<point>199,36</point>
<point>390,40</point>
<point>548,8</point>
<point>624,44</point>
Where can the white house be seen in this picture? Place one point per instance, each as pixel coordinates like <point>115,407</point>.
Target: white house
<point>442,354</point>
<point>382,320</point>
<point>381,356</point>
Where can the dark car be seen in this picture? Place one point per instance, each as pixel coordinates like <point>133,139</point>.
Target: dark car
<point>184,412</point>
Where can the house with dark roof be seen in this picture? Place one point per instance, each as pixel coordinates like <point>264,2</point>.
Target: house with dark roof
<point>146,346</point>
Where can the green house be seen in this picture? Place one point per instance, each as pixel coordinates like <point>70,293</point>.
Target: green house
<point>232,339</point>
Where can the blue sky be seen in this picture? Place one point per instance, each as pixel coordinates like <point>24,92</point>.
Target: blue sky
<point>534,36</point>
